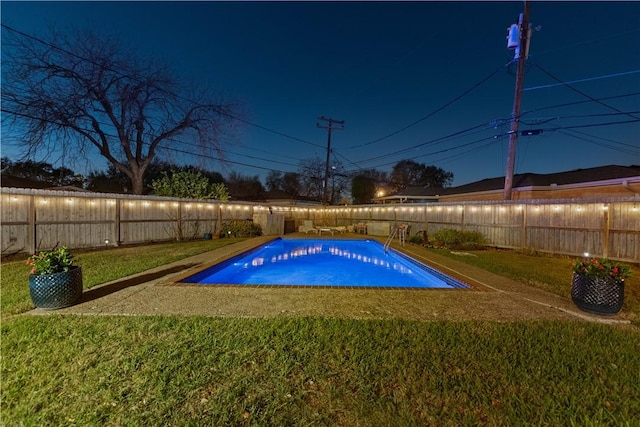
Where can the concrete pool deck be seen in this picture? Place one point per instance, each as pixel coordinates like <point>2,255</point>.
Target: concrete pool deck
<point>492,297</point>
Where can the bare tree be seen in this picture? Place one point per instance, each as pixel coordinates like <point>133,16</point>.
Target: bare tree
<point>274,180</point>
<point>85,94</point>
<point>289,182</point>
<point>311,172</point>
<point>311,179</point>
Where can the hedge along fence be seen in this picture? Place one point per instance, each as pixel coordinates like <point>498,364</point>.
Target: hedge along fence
<point>40,219</point>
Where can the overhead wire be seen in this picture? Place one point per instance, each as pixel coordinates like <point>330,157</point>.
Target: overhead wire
<point>492,138</point>
<point>581,92</point>
<point>608,146</point>
<point>4,110</point>
<point>498,137</point>
<point>608,76</point>
<point>570,46</point>
<point>576,116</point>
<point>635,147</point>
<point>590,125</point>
<point>567,104</point>
<point>437,110</point>
<point>175,140</point>
<point>429,142</point>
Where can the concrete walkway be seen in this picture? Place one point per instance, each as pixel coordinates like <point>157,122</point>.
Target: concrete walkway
<point>491,297</point>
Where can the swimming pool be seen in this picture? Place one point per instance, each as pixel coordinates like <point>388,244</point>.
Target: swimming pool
<point>324,263</point>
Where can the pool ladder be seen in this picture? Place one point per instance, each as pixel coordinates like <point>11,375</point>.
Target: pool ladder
<point>402,235</point>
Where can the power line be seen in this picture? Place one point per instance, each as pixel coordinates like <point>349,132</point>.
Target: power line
<point>623,33</point>
<point>445,150</point>
<point>567,104</point>
<point>610,147</point>
<point>432,141</point>
<point>437,110</point>
<point>608,76</point>
<point>472,150</point>
<point>590,125</point>
<point>502,136</point>
<point>635,147</point>
<point>486,126</point>
<point>578,116</point>
<point>174,140</point>
<point>229,152</point>
<point>164,147</point>
<point>580,92</point>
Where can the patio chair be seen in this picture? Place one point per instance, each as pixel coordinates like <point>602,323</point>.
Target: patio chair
<point>340,229</point>
<point>306,227</point>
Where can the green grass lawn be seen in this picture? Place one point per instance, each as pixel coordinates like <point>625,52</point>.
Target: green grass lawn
<point>101,267</point>
<point>66,370</point>
<point>551,273</point>
<point>188,370</point>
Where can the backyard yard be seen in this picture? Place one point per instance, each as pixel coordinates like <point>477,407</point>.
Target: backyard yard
<point>315,370</point>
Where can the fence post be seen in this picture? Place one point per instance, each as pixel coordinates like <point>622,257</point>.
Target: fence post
<point>426,221</point>
<point>179,221</point>
<point>605,234</point>
<point>32,238</point>
<point>523,227</point>
<point>117,231</point>
<point>462,218</point>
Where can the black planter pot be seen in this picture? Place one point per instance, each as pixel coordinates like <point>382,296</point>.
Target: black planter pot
<point>57,290</point>
<point>597,295</point>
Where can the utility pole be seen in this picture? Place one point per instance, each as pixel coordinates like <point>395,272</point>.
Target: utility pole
<point>522,50</point>
<point>329,127</point>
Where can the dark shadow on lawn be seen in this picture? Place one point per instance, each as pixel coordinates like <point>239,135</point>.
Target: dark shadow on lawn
<point>101,291</point>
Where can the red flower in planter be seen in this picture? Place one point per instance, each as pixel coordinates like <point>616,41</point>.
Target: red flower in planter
<point>602,268</point>
<point>48,262</point>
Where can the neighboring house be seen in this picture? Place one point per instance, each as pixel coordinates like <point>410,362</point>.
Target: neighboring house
<point>280,198</point>
<point>9,181</point>
<point>603,181</point>
<point>19,182</point>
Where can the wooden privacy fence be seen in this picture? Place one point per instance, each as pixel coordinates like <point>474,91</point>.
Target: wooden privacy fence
<point>40,219</point>
<point>603,227</point>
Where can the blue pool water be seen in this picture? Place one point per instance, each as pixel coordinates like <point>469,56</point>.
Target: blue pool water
<point>324,262</point>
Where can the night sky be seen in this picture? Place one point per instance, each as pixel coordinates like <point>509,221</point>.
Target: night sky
<point>428,81</point>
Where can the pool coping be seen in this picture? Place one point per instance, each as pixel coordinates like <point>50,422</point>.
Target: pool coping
<point>491,298</point>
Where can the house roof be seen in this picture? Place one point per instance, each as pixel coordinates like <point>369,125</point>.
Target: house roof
<point>601,173</point>
<point>279,196</point>
<point>19,182</point>
<point>577,176</point>
<point>11,181</point>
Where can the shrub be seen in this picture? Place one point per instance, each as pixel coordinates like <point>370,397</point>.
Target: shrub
<point>191,185</point>
<point>420,238</point>
<point>240,228</point>
<point>457,239</point>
